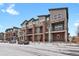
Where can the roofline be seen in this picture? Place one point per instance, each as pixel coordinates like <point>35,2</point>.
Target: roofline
<point>8,29</point>
<point>61,9</point>
<point>23,22</point>
<point>15,27</point>
<point>43,15</point>
<point>58,8</point>
<point>33,19</point>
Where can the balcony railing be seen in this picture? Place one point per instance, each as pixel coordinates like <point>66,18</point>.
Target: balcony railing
<point>29,31</point>
<point>58,26</point>
<point>38,30</point>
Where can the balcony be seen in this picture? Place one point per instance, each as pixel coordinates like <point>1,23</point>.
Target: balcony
<point>29,31</point>
<point>39,30</point>
<point>57,26</point>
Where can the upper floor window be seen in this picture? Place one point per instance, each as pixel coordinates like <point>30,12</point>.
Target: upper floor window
<point>58,27</point>
<point>60,16</point>
<point>57,16</point>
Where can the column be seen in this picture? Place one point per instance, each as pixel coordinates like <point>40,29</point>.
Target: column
<point>66,36</point>
<point>33,30</point>
<point>26,34</point>
<point>23,35</point>
<point>66,30</point>
<point>43,32</point>
<point>49,33</point>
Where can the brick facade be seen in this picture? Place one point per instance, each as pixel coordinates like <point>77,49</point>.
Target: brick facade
<point>56,23</point>
<point>11,34</point>
<point>47,28</point>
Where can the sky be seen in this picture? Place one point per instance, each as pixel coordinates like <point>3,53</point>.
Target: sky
<point>13,14</point>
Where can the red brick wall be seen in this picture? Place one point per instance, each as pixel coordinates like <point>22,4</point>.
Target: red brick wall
<point>59,36</point>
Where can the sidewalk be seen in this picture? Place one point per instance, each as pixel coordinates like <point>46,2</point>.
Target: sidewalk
<point>52,44</point>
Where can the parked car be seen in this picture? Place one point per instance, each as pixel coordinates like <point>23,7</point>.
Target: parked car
<point>12,40</point>
<point>25,42</point>
<point>20,41</point>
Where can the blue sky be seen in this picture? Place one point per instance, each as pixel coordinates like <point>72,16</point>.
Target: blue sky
<point>14,14</point>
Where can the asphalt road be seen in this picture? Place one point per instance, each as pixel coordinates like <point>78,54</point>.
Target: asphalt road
<point>7,49</point>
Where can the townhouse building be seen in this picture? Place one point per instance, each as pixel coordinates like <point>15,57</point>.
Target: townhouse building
<point>22,33</point>
<point>47,28</point>
<point>1,36</point>
<point>11,35</point>
<point>59,24</point>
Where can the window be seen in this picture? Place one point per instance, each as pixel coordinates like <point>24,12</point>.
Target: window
<point>58,27</point>
<point>60,16</point>
<point>57,16</point>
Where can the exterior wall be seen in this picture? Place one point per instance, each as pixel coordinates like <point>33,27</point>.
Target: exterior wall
<point>22,35</point>
<point>11,36</point>
<point>42,29</point>
<point>1,37</point>
<point>8,36</point>
<point>59,15</point>
<point>58,36</point>
<point>39,30</point>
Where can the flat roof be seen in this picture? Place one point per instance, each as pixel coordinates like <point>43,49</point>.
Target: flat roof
<point>43,15</point>
<point>58,8</point>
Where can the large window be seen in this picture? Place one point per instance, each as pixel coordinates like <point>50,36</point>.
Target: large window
<point>57,16</point>
<point>58,26</point>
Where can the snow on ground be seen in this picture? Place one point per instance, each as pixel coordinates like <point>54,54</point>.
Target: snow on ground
<point>39,49</point>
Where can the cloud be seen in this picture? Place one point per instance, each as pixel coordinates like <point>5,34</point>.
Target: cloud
<point>2,10</point>
<point>76,24</point>
<point>10,10</point>
<point>1,3</point>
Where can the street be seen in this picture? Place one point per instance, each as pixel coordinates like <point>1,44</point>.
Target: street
<point>39,49</point>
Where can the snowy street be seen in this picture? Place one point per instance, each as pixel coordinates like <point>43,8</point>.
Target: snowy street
<point>42,49</point>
